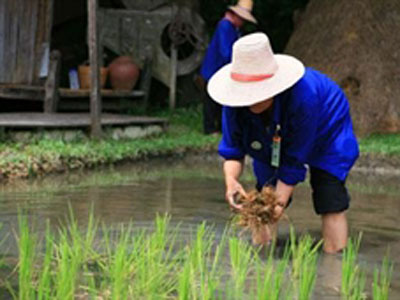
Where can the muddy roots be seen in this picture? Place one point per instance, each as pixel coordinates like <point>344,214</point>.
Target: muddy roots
<point>258,209</point>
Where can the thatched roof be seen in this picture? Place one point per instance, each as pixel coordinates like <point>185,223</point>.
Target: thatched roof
<point>357,43</point>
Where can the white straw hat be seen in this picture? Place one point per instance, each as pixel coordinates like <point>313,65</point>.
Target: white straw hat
<point>243,9</point>
<point>255,74</point>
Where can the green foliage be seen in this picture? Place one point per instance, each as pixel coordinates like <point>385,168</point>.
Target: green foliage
<point>125,262</point>
<point>381,143</point>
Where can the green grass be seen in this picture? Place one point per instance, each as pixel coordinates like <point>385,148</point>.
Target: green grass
<point>44,156</point>
<point>388,144</point>
<point>125,262</point>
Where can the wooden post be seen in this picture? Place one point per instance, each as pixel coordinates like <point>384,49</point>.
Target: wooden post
<point>145,81</point>
<point>52,83</point>
<point>172,82</point>
<point>94,59</point>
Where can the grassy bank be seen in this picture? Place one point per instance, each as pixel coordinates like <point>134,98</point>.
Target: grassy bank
<point>130,263</point>
<point>384,144</point>
<point>46,156</point>
<point>184,134</point>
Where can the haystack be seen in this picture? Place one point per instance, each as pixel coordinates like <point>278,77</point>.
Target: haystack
<point>356,43</point>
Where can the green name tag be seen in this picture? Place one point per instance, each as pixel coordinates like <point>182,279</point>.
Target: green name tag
<point>276,149</point>
<point>276,154</point>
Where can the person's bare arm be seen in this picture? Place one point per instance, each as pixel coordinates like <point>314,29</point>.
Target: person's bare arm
<point>232,171</point>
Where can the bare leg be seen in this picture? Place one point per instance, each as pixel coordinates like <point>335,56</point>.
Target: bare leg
<point>334,232</point>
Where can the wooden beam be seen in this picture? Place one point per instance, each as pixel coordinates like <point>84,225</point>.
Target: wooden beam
<point>22,92</point>
<point>52,96</point>
<point>94,59</point>
<point>172,83</point>
<point>72,120</point>
<point>37,93</point>
<point>105,93</point>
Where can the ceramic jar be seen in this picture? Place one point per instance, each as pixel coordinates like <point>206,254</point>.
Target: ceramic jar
<point>123,73</point>
<point>84,76</point>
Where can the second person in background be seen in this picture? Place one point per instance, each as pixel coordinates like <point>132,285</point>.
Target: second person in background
<point>219,53</point>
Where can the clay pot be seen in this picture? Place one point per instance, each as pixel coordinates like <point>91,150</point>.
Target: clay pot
<point>124,73</point>
<point>84,76</point>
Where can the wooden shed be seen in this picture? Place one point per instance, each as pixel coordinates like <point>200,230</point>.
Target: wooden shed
<point>30,68</point>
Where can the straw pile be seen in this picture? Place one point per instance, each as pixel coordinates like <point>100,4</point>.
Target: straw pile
<point>356,44</point>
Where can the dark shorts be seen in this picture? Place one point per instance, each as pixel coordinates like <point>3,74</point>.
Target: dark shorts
<point>328,192</point>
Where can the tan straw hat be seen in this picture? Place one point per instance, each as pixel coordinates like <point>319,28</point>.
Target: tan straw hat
<point>255,74</point>
<point>243,9</point>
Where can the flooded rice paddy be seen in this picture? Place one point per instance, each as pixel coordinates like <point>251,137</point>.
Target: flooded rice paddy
<point>192,191</point>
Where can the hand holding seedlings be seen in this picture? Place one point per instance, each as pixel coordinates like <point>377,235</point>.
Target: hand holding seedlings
<point>234,191</point>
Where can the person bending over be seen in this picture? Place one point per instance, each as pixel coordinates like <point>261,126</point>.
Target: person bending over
<point>286,117</point>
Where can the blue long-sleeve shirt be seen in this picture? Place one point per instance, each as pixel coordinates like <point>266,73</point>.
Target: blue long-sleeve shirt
<point>219,51</point>
<point>316,130</point>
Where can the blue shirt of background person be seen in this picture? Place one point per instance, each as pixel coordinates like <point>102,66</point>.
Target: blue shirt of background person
<point>316,130</point>
<point>219,51</point>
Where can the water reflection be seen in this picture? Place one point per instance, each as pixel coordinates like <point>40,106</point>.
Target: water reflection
<point>192,191</point>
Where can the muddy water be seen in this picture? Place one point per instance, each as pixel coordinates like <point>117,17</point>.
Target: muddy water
<point>192,191</point>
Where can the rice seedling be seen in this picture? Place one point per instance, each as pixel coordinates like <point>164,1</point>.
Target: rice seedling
<point>270,276</point>
<point>382,280</point>
<point>184,280</point>
<point>27,255</point>
<point>353,277</point>
<point>241,257</point>
<point>205,263</point>
<point>45,278</point>
<point>304,263</point>
<point>88,240</point>
<point>358,292</point>
<point>197,259</point>
<point>302,250</point>
<point>214,276</point>
<point>68,259</point>
<point>2,261</point>
<point>129,263</point>
<point>155,262</point>
<point>120,266</point>
<point>307,276</point>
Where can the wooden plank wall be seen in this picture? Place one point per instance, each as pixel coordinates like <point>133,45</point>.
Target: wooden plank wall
<point>25,28</point>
